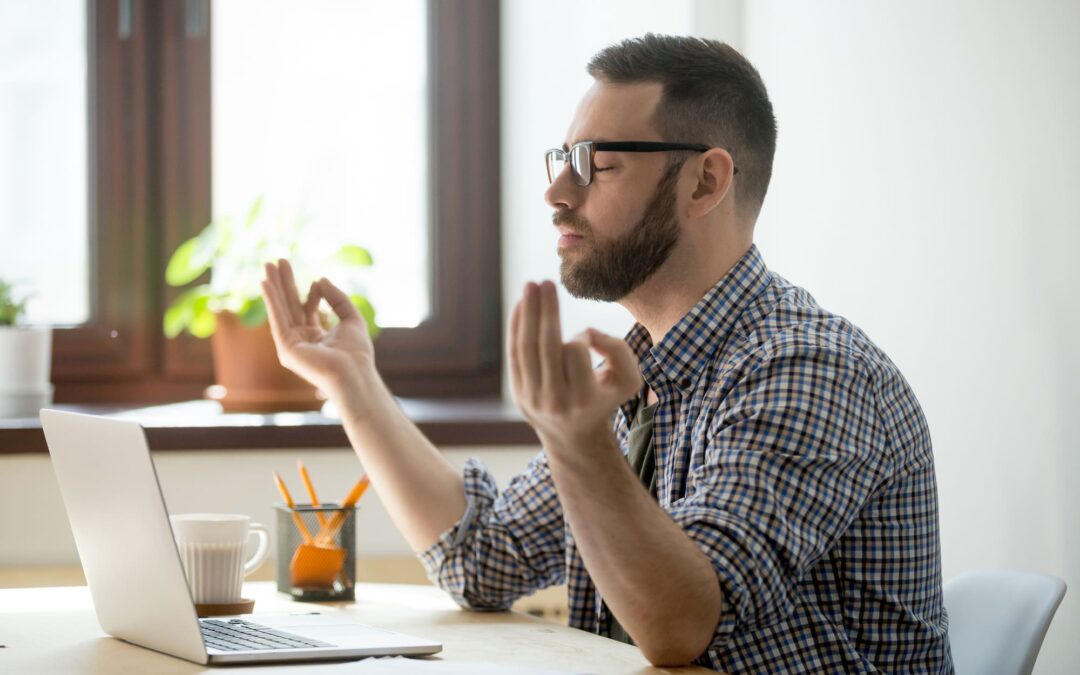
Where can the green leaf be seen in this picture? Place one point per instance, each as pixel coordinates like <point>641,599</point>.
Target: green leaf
<point>253,212</point>
<point>204,322</point>
<point>182,311</point>
<point>367,311</point>
<point>357,256</point>
<point>176,320</point>
<point>192,258</point>
<point>180,271</point>
<point>253,312</point>
<point>10,308</point>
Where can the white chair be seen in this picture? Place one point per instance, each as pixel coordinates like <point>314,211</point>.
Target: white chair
<point>997,619</point>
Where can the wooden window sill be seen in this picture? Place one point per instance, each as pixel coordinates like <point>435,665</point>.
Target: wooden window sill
<point>201,425</point>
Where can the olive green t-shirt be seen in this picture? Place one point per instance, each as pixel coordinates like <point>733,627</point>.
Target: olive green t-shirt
<point>643,461</point>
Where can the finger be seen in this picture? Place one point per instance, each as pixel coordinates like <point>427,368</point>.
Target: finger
<point>272,276</point>
<point>274,310</point>
<point>311,305</point>
<point>512,355</point>
<point>622,370</point>
<point>339,301</point>
<point>550,342</point>
<point>290,293</point>
<point>526,338</point>
<point>577,366</point>
<point>273,297</point>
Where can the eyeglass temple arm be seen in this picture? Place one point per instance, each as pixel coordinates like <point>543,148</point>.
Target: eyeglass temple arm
<point>647,146</point>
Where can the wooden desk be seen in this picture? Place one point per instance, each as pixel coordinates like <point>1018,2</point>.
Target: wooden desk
<point>54,630</point>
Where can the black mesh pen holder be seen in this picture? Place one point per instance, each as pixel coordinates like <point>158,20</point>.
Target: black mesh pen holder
<point>321,564</point>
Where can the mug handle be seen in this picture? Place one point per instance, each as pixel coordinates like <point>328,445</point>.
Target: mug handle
<point>260,552</point>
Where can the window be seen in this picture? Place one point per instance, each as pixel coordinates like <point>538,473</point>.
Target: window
<point>43,140</point>
<point>157,165</point>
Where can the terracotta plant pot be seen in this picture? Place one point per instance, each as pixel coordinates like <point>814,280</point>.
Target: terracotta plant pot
<point>248,374</point>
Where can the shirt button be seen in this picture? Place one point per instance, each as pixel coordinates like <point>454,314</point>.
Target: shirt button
<point>685,383</point>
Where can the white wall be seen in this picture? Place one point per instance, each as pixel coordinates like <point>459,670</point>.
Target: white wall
<point>925,186</point>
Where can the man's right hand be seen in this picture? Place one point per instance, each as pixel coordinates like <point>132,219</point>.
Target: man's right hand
<point>338,361</point>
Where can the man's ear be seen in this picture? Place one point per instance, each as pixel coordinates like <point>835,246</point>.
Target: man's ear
<point>713,172</point>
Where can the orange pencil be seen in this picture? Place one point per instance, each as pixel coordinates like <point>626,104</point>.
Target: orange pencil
<point>326,534</point>
<point>310,490</point>
<point>356,493</point>
<point>288,501</point>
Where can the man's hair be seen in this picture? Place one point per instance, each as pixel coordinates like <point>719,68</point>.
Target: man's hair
<point>712,95</point>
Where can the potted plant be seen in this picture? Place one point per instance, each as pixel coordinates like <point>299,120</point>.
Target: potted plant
<point>25,358</point>
<point>229,308</point>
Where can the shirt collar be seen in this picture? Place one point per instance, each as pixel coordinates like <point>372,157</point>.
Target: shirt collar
<point>691,343</point>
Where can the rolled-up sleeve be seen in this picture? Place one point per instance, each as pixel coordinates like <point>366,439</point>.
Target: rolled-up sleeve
<point>793,453</point>
<point>507,544</point>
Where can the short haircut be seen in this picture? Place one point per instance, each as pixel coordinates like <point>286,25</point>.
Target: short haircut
<point>712,95</point>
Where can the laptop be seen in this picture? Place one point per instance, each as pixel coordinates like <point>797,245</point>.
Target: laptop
<point>133,568</point>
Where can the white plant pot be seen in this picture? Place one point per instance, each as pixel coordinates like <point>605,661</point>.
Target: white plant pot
<point>25,359</point>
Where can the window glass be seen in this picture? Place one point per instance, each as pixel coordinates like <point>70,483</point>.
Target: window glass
<point>321,108</point>
<point>43,145</point>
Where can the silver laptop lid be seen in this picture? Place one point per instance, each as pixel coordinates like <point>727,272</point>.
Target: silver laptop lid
<point>122,532</point>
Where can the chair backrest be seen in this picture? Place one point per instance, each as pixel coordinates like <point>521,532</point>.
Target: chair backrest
<point>997,619</point>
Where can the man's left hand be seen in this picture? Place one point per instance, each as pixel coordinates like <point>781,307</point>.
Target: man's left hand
<point>567,402</point>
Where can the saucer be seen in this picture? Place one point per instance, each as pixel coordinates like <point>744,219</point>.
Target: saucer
<point>241,606</point>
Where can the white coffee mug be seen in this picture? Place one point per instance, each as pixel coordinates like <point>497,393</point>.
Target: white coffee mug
<point>211,549</point>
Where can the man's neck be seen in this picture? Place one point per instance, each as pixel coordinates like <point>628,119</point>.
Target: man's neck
<point>666,297</point>
<point>650,396</point>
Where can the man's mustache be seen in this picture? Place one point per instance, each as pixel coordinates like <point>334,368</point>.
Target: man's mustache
<point>571,220</point>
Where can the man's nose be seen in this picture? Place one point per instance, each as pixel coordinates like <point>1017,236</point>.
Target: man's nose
<point>563,193</point>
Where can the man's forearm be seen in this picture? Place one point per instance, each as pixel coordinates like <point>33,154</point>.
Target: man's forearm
<point>659,584</point>
<point>422,491</point>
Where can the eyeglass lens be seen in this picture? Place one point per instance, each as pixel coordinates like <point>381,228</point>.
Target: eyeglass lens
<point>580,164</point>
<point>556,160</point>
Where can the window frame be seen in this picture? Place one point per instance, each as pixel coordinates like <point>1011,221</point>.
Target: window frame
<point>149,112</point>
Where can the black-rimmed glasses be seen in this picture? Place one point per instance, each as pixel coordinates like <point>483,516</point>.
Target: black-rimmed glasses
<point>580,156</point>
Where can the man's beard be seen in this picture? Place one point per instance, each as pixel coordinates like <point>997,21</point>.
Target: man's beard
<point>612,270</point>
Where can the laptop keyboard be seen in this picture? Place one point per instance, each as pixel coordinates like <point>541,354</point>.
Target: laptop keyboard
<point>238,635</point>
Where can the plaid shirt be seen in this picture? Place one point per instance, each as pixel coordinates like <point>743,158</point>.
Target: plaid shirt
<point>792,451</point>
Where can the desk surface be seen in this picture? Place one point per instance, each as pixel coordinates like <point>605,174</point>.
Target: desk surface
<point>54,630</point>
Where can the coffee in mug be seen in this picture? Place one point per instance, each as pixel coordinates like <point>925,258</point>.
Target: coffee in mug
<point>211,549</point>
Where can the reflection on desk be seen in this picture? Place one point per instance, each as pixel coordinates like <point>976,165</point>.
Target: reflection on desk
<point>54,630</point>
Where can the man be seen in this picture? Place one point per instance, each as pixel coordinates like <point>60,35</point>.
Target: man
<point>746,482</point>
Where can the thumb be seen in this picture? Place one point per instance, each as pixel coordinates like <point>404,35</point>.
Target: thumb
<point>339,301</point>
<point>621,370</point>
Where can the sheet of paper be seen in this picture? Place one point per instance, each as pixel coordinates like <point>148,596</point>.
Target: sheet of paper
<point>399,665</point>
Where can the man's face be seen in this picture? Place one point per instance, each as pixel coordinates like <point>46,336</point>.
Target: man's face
<point>617,231</point>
